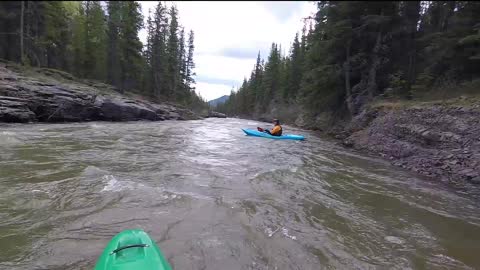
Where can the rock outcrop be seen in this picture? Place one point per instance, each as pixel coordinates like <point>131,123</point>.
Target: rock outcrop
<point>45,99</point>
<point>216,114</point>
<point>437,140</point>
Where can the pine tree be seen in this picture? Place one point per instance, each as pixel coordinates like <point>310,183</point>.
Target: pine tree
<point>182,91</point>
<point>130,45</point>
<point>257,79</point>
<point>294,68</point>
<point>147,85</point>
<point>95,41</point>
<point>10,17</point>
<point>78,45</point>
<point>159,59</point>
<point>114,69</point>
<point>190,64</point>
<point>270,83</point>
<point>55,37</point>
<point>173,72</point>
<point>148,46</point>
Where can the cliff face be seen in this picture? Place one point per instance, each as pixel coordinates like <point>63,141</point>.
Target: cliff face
<point>437,140</point>
<point>44,97</point>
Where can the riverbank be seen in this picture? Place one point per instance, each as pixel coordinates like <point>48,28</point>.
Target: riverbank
<point>438,139</point>
<point>47,95</point>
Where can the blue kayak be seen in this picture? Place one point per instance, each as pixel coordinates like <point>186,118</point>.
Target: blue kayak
<point>256,133</point>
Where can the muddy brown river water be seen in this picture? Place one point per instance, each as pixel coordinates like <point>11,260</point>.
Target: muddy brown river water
<point>213,198</point>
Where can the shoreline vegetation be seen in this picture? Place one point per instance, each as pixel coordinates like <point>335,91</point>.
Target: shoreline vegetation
<point>99,42</point>
<point>48,95</point>
<point>397,79</point>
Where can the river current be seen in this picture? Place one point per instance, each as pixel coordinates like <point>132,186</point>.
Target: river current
<point>213,198</point>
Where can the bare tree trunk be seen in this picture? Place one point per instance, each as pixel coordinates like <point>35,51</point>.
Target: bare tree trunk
<point>412,17</point>
<point>21,33</point>
<point>86,65</point>
<point>346,68</point>
<point>372,74</point>
<point>27,32</point>
<point>450,8</point>
<point>157,84</point>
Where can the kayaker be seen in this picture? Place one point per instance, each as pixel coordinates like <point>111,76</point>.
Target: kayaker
<point>276,130</point>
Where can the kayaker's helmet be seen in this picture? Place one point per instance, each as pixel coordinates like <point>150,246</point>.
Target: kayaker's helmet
<point>276,121</point>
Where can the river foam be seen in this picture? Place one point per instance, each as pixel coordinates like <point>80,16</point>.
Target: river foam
<point>8,138</point>
<point>116,185</point>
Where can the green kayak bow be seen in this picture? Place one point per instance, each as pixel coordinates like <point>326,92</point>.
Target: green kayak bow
<point>132,250</point>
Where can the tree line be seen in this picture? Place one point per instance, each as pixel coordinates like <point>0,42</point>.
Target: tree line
<point>356,51</point>
<point>99,40</point>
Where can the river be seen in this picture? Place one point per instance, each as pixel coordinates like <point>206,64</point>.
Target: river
<point>213,198</point>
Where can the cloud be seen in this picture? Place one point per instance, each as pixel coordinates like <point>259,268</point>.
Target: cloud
<point>283,10</point>
<point>221,67</point>
<point>228,36</point>
<point>210,91</point>
<point>242,53</point>
<point>206,79</point>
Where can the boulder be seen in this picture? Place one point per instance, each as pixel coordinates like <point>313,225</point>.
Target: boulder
<point>24,99</point>
<point>120,110</point>
<point>14,111</point>
<point>216,114</point>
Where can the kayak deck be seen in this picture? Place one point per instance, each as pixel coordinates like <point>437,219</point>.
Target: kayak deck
<point>256,133</point>
<point>132,250</point>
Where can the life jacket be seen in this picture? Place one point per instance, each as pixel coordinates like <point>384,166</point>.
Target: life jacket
<point>277,130</point>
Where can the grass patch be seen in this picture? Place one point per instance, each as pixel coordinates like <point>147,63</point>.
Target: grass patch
<point>56,74</point>
<point>59,77</point>
<point>449,91</point>
<point>466,94</point>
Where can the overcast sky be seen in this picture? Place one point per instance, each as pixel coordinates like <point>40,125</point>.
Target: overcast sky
<point>228,36</point>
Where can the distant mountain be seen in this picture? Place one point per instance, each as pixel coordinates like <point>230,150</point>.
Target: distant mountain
<point>220,100</point>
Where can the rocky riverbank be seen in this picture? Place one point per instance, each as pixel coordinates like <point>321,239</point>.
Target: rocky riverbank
<point>44,95</point>
<point>436,139</point>
<point>216,114</point>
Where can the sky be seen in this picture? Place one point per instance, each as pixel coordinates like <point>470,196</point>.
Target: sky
<point>229,35</point>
